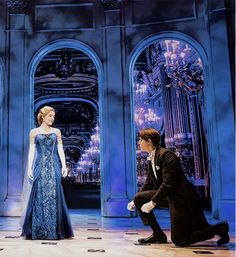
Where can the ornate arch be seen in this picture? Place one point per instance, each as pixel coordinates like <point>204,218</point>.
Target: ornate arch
<point>64,43</point>
<point>208,102</point>
<point>80,46</point>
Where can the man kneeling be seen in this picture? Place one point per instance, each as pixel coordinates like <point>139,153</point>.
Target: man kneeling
<point>166,179</point>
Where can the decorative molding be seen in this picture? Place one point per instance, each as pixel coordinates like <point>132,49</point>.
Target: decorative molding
<point>64,17</point>
<point>17,6</point>
<point>111,4</point>
<point>165,11</point>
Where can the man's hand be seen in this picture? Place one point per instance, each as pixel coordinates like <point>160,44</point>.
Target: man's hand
<point>131,206</point>
<point>147,207</point>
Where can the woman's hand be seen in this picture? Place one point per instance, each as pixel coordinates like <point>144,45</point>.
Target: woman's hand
<point>64,172</point>
<point>30,174</point>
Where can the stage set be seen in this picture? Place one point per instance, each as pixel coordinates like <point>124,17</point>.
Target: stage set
<point>110,68</point>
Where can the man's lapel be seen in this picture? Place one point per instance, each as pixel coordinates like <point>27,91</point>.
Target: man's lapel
<point>157,159</point>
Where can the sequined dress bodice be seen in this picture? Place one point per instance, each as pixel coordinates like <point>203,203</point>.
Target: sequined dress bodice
<point>46,151</point>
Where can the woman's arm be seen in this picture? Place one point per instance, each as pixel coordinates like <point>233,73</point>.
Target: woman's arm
<point>31,154</point>
<point>61,153</point>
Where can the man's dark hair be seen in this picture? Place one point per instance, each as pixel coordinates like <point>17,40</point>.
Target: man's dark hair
<point>152,134</point>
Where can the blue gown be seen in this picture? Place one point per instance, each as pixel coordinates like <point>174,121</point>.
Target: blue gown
<point>46,214</point>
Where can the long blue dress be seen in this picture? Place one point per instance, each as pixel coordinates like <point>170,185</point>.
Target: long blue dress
<point>46,214</point>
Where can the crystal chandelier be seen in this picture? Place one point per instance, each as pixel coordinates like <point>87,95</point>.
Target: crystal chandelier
<point>91,157</point>
<point>144,112</point>
<point>183,66</point>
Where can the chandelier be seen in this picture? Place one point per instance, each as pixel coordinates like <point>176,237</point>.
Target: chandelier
<point>183,66</point>
<point>91,156</point>
<point>145,117</point>
<point>64,67</point>
<point>145,113</point>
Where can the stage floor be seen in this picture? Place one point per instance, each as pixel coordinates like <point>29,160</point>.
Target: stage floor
<point>98,236</point>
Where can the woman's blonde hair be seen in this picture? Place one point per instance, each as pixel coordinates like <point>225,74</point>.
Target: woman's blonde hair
<point>44,112</point>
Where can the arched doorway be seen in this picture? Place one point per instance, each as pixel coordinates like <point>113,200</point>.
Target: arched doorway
<point>168,80</point>
<point>66,75</point>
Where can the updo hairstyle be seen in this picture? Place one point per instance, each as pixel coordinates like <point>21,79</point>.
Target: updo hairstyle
<point>44,112</point>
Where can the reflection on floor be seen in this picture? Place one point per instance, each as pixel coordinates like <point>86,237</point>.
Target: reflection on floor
<point>98,236</point>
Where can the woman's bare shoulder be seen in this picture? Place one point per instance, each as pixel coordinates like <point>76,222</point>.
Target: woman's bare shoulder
<point>57,131</point>
<point>34,132</point>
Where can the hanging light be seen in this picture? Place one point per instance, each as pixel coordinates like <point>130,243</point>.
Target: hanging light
<point>182,66</point>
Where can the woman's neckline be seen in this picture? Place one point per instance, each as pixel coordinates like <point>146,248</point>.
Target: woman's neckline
<point>45,133</point>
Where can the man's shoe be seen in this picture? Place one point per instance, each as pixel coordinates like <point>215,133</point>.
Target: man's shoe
<point>222,231</point>
<point>153,239</point>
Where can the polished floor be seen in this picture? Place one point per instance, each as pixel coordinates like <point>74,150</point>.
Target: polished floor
<point>98,236</point>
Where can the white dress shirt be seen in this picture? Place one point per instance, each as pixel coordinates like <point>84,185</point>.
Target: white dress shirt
<point>151,157</point>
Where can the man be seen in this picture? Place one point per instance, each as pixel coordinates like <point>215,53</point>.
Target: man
<point>166,180</point>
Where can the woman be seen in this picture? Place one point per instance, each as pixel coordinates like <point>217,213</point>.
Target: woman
<point>166,179</point>
<point>46,214</point>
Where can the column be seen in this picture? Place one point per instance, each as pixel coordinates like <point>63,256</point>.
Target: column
<point>220,114</point>
<point>15,153</point>
<point>168,118</point>
<point>114,183</point>
<point>182,134</point>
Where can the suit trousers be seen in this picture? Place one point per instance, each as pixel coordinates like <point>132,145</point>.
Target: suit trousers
<point>187,227</point>
<point>147,218</point>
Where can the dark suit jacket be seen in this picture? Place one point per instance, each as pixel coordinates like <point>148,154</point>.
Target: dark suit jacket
<point>171,183</point>
<point>151,181</point>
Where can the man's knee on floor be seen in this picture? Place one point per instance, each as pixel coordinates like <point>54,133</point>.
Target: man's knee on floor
<point>179,241</point>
